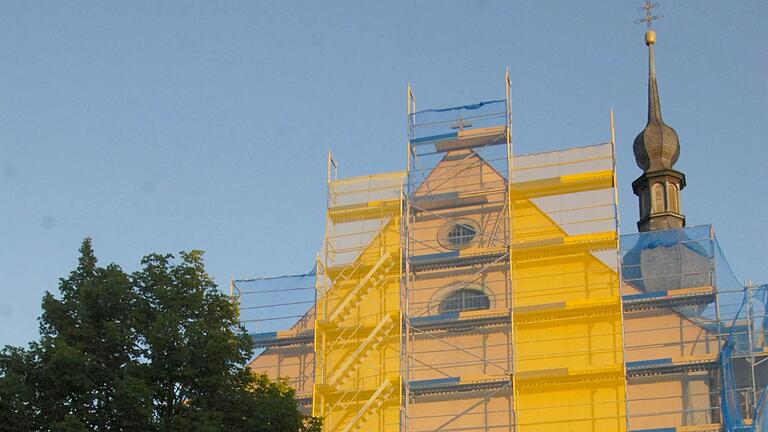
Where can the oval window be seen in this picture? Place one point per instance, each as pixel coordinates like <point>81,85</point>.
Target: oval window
<point>459,234</point>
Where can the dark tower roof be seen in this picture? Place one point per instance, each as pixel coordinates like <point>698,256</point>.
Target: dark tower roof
<point>656,147</point>
<point>656,151</point>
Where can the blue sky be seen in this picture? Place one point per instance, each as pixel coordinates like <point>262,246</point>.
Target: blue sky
<point>166,126</point>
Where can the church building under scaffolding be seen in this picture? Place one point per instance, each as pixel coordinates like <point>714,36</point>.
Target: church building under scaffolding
<point>486,290</point>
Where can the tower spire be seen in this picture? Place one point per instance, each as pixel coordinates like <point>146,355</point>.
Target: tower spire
<point>656,149</point>
<point>654,105</point>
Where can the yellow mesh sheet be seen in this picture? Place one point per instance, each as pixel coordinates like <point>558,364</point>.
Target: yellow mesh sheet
<point>569,367</point>
<point>358,325</point>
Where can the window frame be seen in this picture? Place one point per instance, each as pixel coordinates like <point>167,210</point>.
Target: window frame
<point>444,234</point>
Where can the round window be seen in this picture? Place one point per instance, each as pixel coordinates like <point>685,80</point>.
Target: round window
<point>458,234</point>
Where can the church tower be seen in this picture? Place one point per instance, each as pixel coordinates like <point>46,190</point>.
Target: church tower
<point>656,149</point>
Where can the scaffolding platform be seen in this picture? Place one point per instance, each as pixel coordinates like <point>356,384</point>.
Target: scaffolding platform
<point>364,211</point>
<point>276,339</point>
<point>452,385</point>
<point>711,427</point>
<point>464,139</point>
<point>461,321</point>
<point>565,245</point>
<point>305,402</point>
<point>453,259</point>
<point>450,200</point>
<point>564,184</point>
<point>671,365</point>
<point>572,309</point>
<point>450,321</point>
<point>669,299</point>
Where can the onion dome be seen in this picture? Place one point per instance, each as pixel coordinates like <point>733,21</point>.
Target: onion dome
<point>656,147</point>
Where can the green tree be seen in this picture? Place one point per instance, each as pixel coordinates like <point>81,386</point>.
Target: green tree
<point>72,378</point>
<point>17,412</point>
<point>158,350</point>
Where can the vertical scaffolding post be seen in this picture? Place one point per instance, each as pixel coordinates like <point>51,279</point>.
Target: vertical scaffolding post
<point>512,362</point>
<point>617,215</point>
<point>406,342</point>
<point>751,356</point>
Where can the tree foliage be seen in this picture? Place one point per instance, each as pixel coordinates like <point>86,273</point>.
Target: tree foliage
<point>157,350</point>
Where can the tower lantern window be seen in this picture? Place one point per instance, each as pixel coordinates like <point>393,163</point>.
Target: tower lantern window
<point>674,203</point>
<point>657,197</point>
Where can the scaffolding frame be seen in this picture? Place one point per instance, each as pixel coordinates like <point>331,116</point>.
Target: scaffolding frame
<point>392,352</point>
<point>358,319</point>
<point>278,314</point>
<point>567,315</point>
<point>457,170</point>
<point>680,279</point>
<point>742,319</point>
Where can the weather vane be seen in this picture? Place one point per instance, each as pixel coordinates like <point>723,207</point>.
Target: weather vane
<point>649,17</point>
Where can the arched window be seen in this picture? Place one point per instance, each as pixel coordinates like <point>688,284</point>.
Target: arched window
<point>464,299</point>
<point>674,203</point>
<point>644,203</point>
<point>657,198</point>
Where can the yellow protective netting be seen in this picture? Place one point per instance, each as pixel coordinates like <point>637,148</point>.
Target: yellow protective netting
<point>358,325</point>
<point>567,316</point>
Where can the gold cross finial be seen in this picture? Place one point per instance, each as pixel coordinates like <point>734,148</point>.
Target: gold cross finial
<point>649,17</point>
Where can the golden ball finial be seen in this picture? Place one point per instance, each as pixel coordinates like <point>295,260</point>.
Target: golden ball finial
<point>650,37</point>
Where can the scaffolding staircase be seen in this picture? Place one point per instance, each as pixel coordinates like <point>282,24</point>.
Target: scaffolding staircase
<point>357,330</point>
<point>382,331</point>
<point>374,403</point>
<point>371,281</point>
